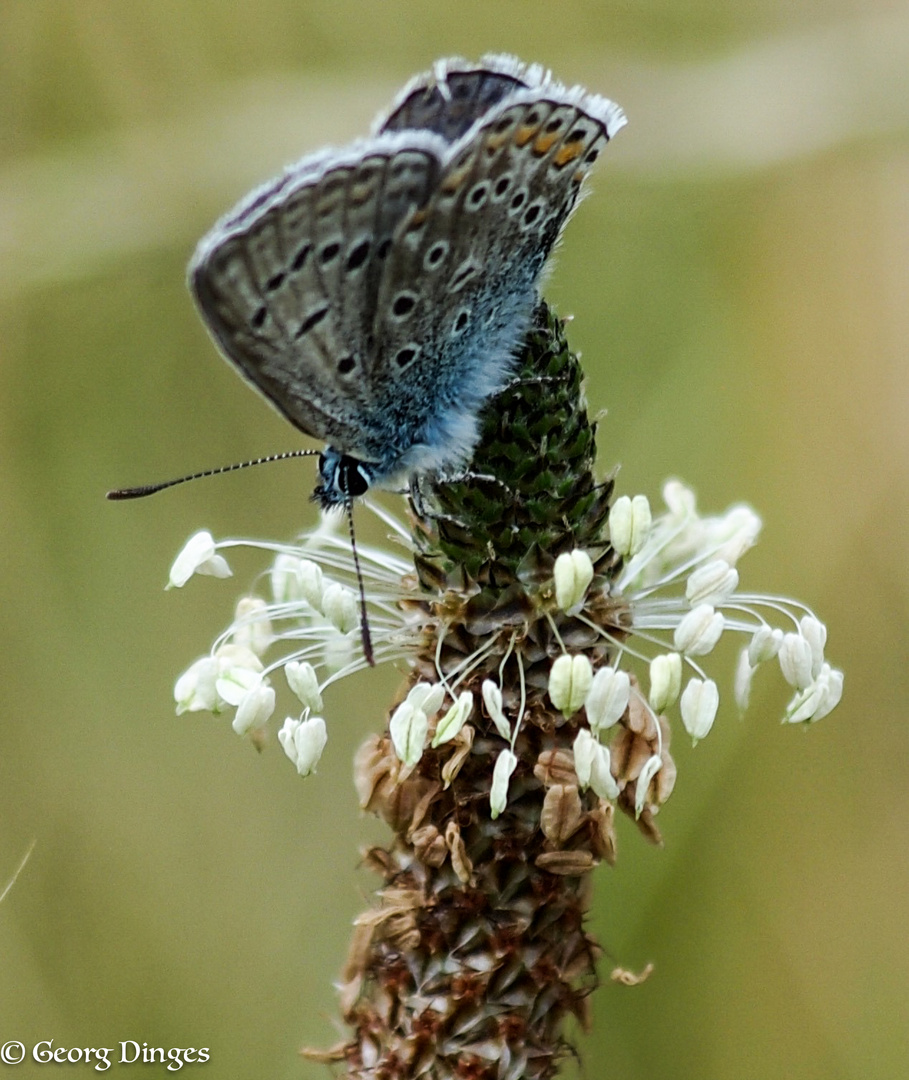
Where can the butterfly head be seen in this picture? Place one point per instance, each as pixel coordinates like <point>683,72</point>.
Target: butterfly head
<point>342,478</point>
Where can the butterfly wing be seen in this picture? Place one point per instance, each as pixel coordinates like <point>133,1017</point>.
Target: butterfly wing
<point>376,295</point>
<point>287,282</point>
<point>451,97</point>
<point>459,284</point>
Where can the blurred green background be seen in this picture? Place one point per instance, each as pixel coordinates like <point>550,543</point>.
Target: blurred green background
<point>739,284</point>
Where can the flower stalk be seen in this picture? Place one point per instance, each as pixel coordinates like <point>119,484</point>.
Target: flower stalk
<point>548,636</point>
<point>476,952</point>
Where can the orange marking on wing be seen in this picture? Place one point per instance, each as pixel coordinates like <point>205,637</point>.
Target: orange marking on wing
<point>525,133</point>
<point>451,183</point>
<point>544,144</point>
<point>567,153</point>
<point>361,193</point>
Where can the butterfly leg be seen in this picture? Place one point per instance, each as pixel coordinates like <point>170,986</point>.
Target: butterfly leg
<point>534,380</point>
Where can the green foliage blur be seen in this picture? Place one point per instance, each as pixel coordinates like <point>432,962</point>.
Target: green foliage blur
<point>738,278</point>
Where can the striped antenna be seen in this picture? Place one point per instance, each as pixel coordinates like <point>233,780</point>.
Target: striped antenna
<point>151,489</point>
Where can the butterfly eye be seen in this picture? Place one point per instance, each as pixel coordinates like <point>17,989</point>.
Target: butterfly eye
<point>344,474</point>
<point>357,479</point>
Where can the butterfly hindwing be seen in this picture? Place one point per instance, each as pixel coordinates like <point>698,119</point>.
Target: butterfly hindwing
<point>288,283</point>
<point>460,281</point>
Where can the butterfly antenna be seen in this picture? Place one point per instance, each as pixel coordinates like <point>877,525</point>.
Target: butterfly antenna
<point>364,621</point>
<point>150,489</point>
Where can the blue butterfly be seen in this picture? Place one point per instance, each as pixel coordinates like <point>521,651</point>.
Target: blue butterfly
<point>377,294</point>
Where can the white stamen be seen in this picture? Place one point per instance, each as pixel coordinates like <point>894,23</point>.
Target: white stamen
<point>818,699</point>
<point>699,703</point>
<point>198,556</point>
<point>505,765</point>
<point>744,674</point>
<point>607,698</point>
<point>255,709</point>
<point>408,727</point>
<point>629,524</point>
<point>764,645</point>
<point>301,678</point>
<point>592,765</point>
<point>452,722</point>
<point>815,633</point>
<point>796,661</point>
<point>651,767</point>
<point>699,631</point>
<point>239,670</point>
<point>492,699</point>
<point>573,573</point>
<point>252,625</point>
<point>665,681</point>
<point>570,678</point>
<point>340,607</point>
<point>195,690</point>
<point>427,696</point>
<point>303,742</point>
<point>712,583</point>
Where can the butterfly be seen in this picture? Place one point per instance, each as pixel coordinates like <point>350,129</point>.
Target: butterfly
<point>376,294</point>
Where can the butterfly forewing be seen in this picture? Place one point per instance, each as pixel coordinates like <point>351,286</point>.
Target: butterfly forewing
<point>461,276</point>
<point>453,96</point>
